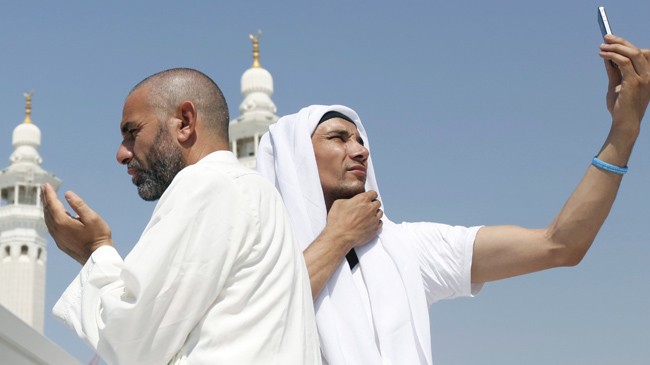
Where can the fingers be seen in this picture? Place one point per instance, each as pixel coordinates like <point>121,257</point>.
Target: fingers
<point>627,56</point>
<point>47,194</point>
<point>612,39</point>
<point>376,205</point>
<point>364,205</point>
<point>372,194</point>
<point>613,74</point>
<point>52,207</point>
<point>366,196</point>
<point>369,196</point>
<point>79,206</point>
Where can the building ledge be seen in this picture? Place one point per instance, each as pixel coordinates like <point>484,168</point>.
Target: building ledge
<point>20,344</point>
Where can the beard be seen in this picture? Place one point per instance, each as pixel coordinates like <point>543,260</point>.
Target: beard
<point>164,160</point>
<point>346,191</point>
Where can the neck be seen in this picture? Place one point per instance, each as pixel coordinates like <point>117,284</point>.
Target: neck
<point>198,151</point>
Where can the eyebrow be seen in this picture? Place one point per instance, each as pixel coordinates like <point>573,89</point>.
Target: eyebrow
<point>126,126</point>
<point>339,132</point>
<point>346,134</point>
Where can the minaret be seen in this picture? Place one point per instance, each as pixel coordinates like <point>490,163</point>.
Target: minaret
<point>23,234</point>
<point>257,111</point>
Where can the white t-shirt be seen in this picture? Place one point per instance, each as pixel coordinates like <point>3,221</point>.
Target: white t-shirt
<point>444,257</point>
<point>216,278</point>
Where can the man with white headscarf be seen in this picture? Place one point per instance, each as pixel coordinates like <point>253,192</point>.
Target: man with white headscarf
<point>373,309</point>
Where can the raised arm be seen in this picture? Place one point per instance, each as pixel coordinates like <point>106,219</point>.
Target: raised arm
<point>350,223</point>
<point>506,251</point>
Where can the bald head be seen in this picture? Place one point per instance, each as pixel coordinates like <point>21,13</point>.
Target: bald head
<point>171,87</point>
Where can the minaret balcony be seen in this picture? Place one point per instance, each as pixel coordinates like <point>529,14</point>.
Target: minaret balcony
<point>19,213</point>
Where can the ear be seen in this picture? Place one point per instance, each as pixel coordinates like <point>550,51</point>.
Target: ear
<point>187,124</point>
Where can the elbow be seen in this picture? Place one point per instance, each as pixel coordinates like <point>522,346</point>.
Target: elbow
<point>570,241</point>
<point>571,258</point>
<point>568,255</point>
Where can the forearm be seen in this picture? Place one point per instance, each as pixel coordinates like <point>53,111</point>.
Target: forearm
<point>619,143</point>
<point>69,308</point>
<point>131,321</point>
<point>577,224</point>
<point>323,257</point>
<point>506,251</point>
<point>99,306</point>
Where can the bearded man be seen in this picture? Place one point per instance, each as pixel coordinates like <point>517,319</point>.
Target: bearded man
<point>216,277</point>
<point>372,280</point>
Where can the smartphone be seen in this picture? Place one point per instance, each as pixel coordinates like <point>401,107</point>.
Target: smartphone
<point>604,26</point>
<point>603,22</point>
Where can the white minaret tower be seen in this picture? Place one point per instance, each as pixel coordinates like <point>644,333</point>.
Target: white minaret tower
<point>257,111</point>
<point>23,234</point>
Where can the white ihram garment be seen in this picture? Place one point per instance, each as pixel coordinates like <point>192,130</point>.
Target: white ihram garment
<point>216,278</point>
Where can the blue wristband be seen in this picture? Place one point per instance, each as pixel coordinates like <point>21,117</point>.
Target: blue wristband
<point>608,167</point>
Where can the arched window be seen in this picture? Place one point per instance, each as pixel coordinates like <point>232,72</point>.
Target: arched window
<point>7,251</point>
<point>24,250</point>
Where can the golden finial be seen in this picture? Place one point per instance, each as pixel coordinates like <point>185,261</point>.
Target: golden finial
<point>256,48</point>
<point>28,107</point>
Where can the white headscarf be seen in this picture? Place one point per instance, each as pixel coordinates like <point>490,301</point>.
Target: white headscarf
<point>391,273</point>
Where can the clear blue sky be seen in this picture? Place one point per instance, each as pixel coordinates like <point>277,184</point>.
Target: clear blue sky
<point>478,113</point>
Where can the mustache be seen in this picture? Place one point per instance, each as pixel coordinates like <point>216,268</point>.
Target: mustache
<point>134,164</point>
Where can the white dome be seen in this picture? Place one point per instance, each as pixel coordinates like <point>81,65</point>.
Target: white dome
<point>26,134</point>
<point>257,79</point>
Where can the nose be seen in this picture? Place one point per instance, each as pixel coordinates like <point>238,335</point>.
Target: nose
<point>124,154</point>
<point>359,152</point>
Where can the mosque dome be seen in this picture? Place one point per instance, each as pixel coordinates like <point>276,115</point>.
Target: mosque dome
<point>257,79</point>
<point>257,110</point>
<point>26,138</point>
<point>257,88</point>
<point>26,134</point>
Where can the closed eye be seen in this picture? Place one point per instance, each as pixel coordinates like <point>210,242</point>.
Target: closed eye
<point>343,136</point>
<point>129,130</point>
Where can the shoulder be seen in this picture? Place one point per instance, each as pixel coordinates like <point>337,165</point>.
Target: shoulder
<point>220,169</point>
<point>438,232</point>
<point>220,177</point>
